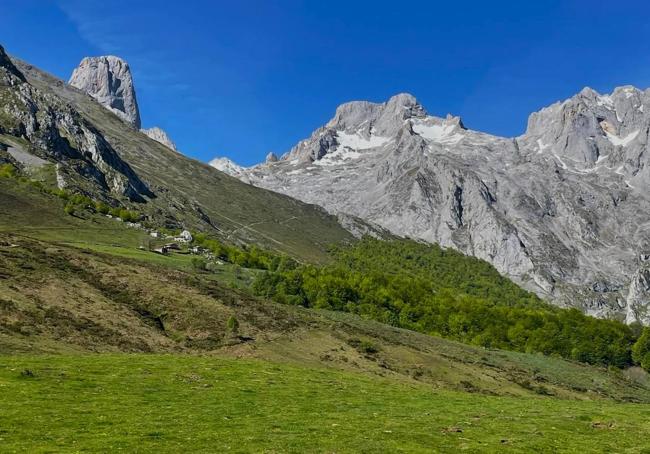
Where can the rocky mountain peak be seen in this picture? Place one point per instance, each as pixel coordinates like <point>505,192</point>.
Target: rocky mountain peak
<point>560,209</point>
<point>228,166</point>
<point>454,120</point>
<point>271,157</point>
<point>108,79</point>
<point>384,117</point>
<point>588,128</point>
<point>161,136</point>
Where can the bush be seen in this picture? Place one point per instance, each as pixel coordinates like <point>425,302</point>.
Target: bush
<point>364,346</point>
<point>232,325</point>
<point>199,264</point>
<point>102,208</point>
<point>69,209</point>
<point>7,171</point>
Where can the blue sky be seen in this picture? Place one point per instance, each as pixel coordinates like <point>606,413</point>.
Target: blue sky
<point>242,78</point>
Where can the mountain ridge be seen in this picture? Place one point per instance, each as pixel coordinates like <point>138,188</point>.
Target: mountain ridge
<point>89,150</point>
<point>556,208</point>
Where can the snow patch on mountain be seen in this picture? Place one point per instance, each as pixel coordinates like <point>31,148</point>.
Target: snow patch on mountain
<point>443,133</point>
<point>621,141</point>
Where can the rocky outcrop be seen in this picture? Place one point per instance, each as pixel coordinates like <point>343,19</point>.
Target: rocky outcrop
<point>562,209</point>
<point>229,167</point>
<point>108,79</point>
<point>161,136</point>
<point>55,131</point>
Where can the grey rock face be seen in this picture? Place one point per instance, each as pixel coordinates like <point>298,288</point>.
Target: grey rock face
<point>161,136</point>
<point>57,133</point>
<point>108,79</point>
<point>229,167</point>
<point>563,209</point>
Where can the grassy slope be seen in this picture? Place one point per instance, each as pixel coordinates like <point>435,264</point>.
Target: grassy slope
<point>240,211</point>
<point>79,285</point>
<point>57,298</point>
<point>206,404</point>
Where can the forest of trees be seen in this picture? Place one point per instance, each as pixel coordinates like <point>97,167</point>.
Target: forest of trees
<point>248,257</point>
<point>442,292</point>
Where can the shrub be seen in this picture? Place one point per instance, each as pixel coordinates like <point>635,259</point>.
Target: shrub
<point>7,171</point>
<point>102,208</point>
<point>199,264</point>
<point>69,209</point>
<point>232,325</point>
<point>364,346</point>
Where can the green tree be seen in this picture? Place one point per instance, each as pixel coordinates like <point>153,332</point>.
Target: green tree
<point>232,326</point>
<point>641,349</point>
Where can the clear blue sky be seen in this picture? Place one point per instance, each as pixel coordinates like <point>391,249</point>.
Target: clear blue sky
<point>241,78</point>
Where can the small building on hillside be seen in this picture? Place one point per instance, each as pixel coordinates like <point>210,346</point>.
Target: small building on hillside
<point>164,250</point>
<point>185,237</point>
<point>173,247</point>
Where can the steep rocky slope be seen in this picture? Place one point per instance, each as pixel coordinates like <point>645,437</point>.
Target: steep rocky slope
<point>95,152</point>
<point>562,209</point>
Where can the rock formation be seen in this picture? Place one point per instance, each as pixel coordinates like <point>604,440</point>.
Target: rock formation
<point>563,209</point>
<point>59,133</point>
<point>161,136</point>
<point>108,79</point>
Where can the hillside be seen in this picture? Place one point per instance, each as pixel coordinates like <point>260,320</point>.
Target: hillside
<point>271,329</point>
<point>76,284</point>
<point>77,298</point>
<point>561,209</point>
<point>98,154</point>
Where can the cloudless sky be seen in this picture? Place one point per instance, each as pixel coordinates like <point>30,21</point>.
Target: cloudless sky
<point>242,78</point>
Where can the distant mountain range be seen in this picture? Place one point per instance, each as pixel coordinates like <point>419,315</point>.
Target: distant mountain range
<point>562,209</point>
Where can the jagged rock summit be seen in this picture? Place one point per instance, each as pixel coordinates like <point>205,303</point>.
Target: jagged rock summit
<point>562,209</point>
<point>161,136</point>
<point>229,167</point>
<point>108,79</point>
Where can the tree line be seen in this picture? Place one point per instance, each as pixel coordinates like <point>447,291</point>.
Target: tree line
<point>442,292</point>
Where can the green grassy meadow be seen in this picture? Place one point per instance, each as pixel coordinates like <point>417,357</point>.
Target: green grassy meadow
<point>142,403</point>
<point>292,380</point>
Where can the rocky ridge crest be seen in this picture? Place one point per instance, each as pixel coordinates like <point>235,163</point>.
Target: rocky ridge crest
<point>562,209</point>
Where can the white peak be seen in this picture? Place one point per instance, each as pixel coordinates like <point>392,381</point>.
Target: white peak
<point>403,99</point>
<point>227,166</point>
<point>161,136</point>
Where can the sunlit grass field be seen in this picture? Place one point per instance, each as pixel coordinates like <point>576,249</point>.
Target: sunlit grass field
<point>137,403</point>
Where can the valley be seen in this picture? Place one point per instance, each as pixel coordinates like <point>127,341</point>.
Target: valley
<point>374,289</point>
